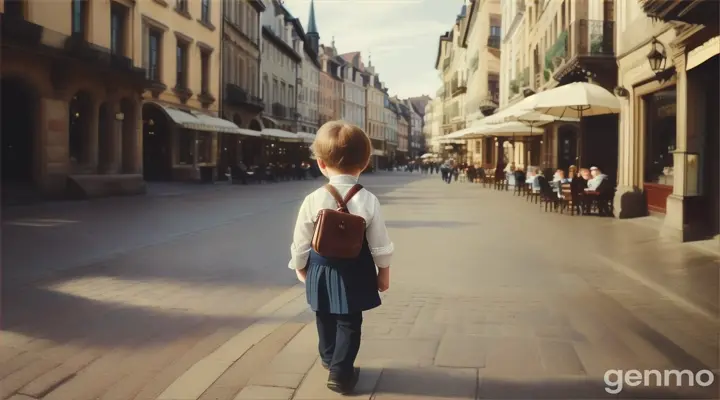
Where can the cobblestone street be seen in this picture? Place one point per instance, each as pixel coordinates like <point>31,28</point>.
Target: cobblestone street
<point>185,294</point>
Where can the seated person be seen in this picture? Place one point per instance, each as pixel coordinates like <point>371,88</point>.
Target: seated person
<point>534,180</point>
<point>572,173</point>
<point>597,178</point>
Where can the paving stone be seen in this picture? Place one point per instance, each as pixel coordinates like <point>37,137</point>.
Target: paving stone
<point>461,352</point>
<point>427,383</point>
<point>245,370</point>
<point>400,350</point>
<point>560,358</point>
<point>277,379</point>
<point>314,386</point>
<point>516,356</point>
<point>264,393</point>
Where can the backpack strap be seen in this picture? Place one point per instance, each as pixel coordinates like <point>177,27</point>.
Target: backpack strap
<point>342,203</point>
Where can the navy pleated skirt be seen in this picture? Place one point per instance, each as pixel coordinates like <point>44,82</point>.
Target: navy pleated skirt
<point>343,286</point>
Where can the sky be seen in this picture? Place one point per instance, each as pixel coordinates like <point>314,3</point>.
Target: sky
<point>400,35</point>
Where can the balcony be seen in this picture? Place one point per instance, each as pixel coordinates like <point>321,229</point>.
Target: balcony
<point>458,87</point>
<point>237,96</point>
<point>294,114</point>
<point>521,80</point>
<point>588,45</point>
<point>697,12</point>
<point>494,42</point>
<point>279,110</point>
<point>17,32</point>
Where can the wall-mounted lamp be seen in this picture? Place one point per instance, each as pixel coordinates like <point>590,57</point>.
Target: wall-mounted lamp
<point>621,91</point>
<point>119,116</point>
<point>657,56</point>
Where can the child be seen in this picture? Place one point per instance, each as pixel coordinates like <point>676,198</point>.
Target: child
<point>338,291</point>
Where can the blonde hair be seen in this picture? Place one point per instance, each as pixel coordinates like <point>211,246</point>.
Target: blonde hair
<point>342,146</point>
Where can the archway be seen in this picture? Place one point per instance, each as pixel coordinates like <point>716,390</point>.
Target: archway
<point>18,126</point>
<point>80,125</point>
<point>567,151</point>
<point>105,138</point>
<point>129,137</point>
<point>255,125</point>
<point>157,154</point>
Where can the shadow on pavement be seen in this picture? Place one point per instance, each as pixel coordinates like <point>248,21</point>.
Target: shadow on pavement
<point>465,384</point>
<point>66,318</point>
<point>427,224</point>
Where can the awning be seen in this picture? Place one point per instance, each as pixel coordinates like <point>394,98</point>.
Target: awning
<point>202,122</point>
<point>273,121</point>
<point>281,135</point>
<point>224,126</point>
<point>306,137</point>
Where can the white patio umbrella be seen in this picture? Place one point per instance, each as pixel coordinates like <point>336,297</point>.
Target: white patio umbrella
<point>427,155</point>
<point>577,100</point>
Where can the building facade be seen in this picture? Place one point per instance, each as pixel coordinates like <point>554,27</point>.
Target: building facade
<point>480,37</point>
<point>309,82</point>
<point>333,88</point>
<point>404,122</point>
<point>71,98</point>
<point>375,113</point>
<point>391,130</point>
<point>180,48</point>
<point>353,106</point>
<point>417,113</point>
<point>241,85</point>
<point>668,130</point>
<point>281,62</point>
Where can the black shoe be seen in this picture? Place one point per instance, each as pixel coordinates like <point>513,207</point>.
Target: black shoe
<point>345,384</point>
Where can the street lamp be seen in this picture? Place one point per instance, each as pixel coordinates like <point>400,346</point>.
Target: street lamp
<point>657,57</point>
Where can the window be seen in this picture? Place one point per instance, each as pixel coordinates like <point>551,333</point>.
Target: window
<point>118,15</point>
<point>205,11</point>
<point>153,60</point>
<point>181,65</point>
<point>275,90</point>
<point>186,146</point>
<point>478,146</point>
<point>181,5</point>
<point>205,71</point>
<point>79,17</point>
<point>660,136</point>
<point>204,147</point>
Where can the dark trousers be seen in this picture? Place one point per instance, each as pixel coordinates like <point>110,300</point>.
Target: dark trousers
<point>339,342</point>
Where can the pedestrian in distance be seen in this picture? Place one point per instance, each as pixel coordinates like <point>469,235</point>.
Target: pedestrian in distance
<point>343,263</point>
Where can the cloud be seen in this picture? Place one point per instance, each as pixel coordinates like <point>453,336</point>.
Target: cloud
<point>402,35</point>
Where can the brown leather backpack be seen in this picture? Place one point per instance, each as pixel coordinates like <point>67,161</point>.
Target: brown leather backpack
<point>339,234</point>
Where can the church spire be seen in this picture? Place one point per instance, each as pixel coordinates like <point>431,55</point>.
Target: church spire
<point>313,36</point>
<point>312,25</point>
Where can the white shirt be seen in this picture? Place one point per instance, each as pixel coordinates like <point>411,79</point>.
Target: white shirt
<point>363,203</point>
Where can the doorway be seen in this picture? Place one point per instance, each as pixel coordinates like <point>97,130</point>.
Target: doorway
<point>17,120</point>
<point>711,160</point>
<point>567,147</point>
<point>157,150</point>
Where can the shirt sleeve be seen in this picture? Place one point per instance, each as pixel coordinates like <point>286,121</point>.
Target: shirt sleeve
<point>378,238</point>
<point>302,237</point>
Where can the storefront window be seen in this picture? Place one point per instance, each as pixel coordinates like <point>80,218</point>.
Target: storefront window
<point>185,146</point>
<point>204,147</point>
<point>660,137</point>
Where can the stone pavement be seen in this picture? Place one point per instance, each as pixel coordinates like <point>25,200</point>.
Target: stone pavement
<point>490,298</point>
